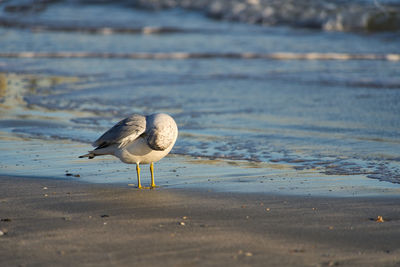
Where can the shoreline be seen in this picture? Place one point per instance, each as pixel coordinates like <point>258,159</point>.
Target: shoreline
<point>61,222</point>
<point>53,159</point>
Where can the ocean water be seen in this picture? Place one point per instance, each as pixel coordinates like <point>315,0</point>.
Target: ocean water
<point>254,101</point>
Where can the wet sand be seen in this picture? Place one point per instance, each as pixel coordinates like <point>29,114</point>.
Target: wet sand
<point>49,222</point>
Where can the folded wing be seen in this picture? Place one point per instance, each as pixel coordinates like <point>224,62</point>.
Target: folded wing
<point>123,132</point>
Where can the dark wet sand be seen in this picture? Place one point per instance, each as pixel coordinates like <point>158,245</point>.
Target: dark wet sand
<point>72,223</point>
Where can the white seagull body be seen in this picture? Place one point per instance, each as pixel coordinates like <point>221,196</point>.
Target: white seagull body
<point>138,140</point>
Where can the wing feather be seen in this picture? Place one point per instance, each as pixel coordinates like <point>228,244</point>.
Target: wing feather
<point>123,132</point>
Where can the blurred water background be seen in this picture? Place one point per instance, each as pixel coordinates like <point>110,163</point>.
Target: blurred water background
<point>306,86</point>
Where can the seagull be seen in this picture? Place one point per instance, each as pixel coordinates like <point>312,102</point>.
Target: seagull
<point>138,139</point>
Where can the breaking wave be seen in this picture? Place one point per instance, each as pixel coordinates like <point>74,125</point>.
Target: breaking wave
<point>328,15</point>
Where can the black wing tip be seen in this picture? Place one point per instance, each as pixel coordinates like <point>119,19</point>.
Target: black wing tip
<point>102,145</point>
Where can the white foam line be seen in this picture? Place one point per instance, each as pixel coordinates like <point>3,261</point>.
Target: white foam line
<point>184,55</point>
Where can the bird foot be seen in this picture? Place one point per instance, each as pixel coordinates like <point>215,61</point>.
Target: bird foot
<point>148,187</point>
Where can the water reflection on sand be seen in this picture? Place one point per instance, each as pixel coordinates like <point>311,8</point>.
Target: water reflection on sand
<point>252,103</point>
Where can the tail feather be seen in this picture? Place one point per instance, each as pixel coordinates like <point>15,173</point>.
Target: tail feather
<point>99,151</point>
<point>89,155</point>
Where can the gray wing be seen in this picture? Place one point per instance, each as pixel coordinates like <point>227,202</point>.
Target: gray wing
<point>123,132</point>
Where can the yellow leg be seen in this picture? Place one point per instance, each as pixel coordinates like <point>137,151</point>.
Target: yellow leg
<point>153,185</point>
<point>138,176</point>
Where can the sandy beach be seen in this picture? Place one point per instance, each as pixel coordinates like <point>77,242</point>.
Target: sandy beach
<point>47,222</point>
<point>288,151</point>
